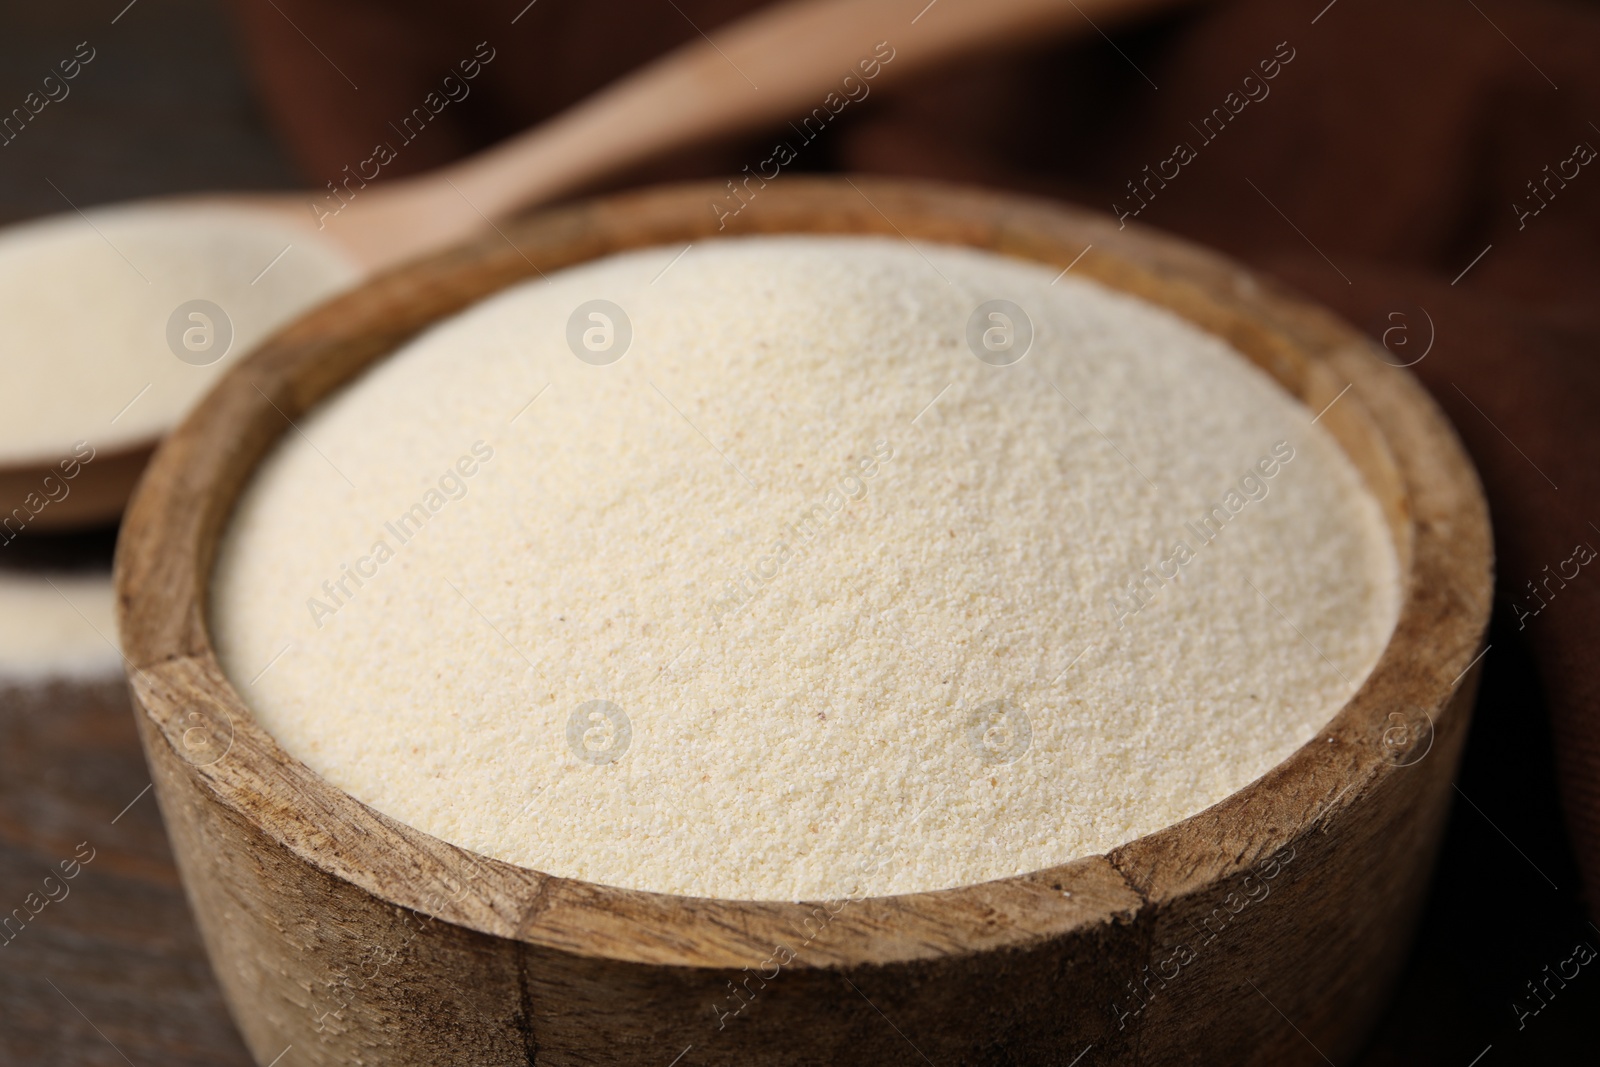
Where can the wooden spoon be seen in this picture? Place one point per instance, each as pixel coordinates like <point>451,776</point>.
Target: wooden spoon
<point>778,63</point>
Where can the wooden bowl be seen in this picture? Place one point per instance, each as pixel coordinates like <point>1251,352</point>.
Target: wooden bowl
<point>1268,929</point>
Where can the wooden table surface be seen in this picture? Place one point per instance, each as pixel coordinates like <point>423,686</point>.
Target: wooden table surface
<point>115,963</point>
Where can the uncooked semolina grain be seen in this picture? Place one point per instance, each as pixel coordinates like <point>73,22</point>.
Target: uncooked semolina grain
<point>799,598</point>
<point>89,302</point>
<point>56,625</point>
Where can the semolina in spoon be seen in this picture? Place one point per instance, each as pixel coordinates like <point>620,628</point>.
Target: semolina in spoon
<point>114,321</point>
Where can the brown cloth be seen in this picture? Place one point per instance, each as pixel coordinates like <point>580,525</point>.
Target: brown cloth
<point>1422,167</point>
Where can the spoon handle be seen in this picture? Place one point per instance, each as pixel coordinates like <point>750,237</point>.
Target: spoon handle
<point>782,62</point>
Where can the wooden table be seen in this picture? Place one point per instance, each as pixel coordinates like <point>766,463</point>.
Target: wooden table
<point>115,963</point>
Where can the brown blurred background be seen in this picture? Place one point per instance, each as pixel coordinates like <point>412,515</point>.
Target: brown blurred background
<point>1381,175</point>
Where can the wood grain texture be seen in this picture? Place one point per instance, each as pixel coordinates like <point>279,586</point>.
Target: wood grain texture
<point>111,966</point>
<point>357,939</point>
<point>125,949</point>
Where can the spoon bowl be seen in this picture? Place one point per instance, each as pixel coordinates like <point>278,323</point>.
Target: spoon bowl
<point>131,377</point>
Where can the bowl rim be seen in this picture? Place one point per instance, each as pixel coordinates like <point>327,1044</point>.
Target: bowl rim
<point>1403,446</point>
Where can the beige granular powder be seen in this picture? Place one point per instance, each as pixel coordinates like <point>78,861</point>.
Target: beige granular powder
<point>56,625</point>
<point>86,302</point>
<point>799,598</point>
